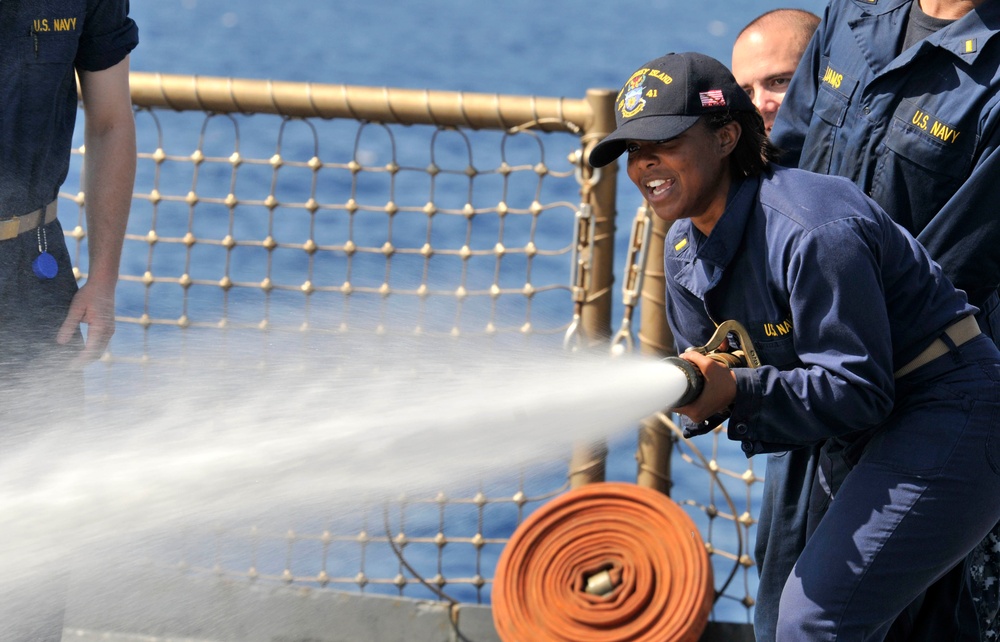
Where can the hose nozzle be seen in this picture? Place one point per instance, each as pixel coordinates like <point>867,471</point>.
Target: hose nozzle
<point>695,380</point>
<point>746,356</point>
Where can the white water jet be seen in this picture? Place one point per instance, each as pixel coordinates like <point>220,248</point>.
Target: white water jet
<point>224,438</point>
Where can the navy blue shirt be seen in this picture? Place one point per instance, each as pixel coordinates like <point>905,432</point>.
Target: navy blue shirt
<point>42,43</point>
<point>918,130</point>
<point>834,295</point>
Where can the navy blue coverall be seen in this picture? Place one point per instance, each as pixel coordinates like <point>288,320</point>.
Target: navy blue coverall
<point>42,44</point>
<point>836,299</point>
<point>918,131</point>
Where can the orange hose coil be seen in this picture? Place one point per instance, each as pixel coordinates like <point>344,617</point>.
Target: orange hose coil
<point>652,551</point>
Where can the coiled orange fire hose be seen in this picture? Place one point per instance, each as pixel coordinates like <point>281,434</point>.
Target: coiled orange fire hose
<point>606,562</point>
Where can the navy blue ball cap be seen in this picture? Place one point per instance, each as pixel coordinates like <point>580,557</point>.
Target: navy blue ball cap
<point>665,97</point>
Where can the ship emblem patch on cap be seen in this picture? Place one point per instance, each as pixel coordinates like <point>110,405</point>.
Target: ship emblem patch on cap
<point>633,101</point>
<point>632,97</point>
<point>712,98</point>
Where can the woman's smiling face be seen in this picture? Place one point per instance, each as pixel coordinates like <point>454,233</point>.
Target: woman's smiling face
<point>687,176</point>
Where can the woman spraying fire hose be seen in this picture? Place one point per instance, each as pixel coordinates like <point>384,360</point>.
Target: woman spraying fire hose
<point>866,350</point>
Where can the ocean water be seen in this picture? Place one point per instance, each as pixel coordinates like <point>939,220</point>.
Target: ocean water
<point>554,48</point>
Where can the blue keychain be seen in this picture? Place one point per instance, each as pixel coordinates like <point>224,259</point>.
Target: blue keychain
<point>44,266</point>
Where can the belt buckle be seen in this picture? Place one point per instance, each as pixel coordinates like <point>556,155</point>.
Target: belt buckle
<point>9,228</point>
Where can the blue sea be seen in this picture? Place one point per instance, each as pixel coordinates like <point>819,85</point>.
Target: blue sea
<point>547,48</point>
<point>552,48</point>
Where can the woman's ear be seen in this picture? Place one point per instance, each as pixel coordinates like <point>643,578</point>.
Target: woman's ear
<point>728,135</point>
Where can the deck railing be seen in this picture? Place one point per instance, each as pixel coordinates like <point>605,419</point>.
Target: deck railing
<point>266,207</point>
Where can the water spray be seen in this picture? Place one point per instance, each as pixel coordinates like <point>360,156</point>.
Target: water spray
<point>212,445</point>
<point>297,440</point>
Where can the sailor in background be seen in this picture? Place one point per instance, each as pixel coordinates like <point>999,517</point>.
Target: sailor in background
<point>901,98</point>
<point>43,47</point>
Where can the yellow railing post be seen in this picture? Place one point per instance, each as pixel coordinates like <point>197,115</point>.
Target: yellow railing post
<point>596,319</point>
<point>588,461</point>
<point>656,441</point>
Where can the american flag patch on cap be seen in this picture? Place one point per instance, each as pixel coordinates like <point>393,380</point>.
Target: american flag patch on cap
<point>712,98</point>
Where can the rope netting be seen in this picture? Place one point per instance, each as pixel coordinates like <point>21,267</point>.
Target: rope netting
<point>365,242</point>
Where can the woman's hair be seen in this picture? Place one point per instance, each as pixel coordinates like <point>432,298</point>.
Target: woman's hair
<point>754,150</point>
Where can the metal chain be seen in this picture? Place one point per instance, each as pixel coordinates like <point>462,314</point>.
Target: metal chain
<point>635,268</point>
<point>583,247</point>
